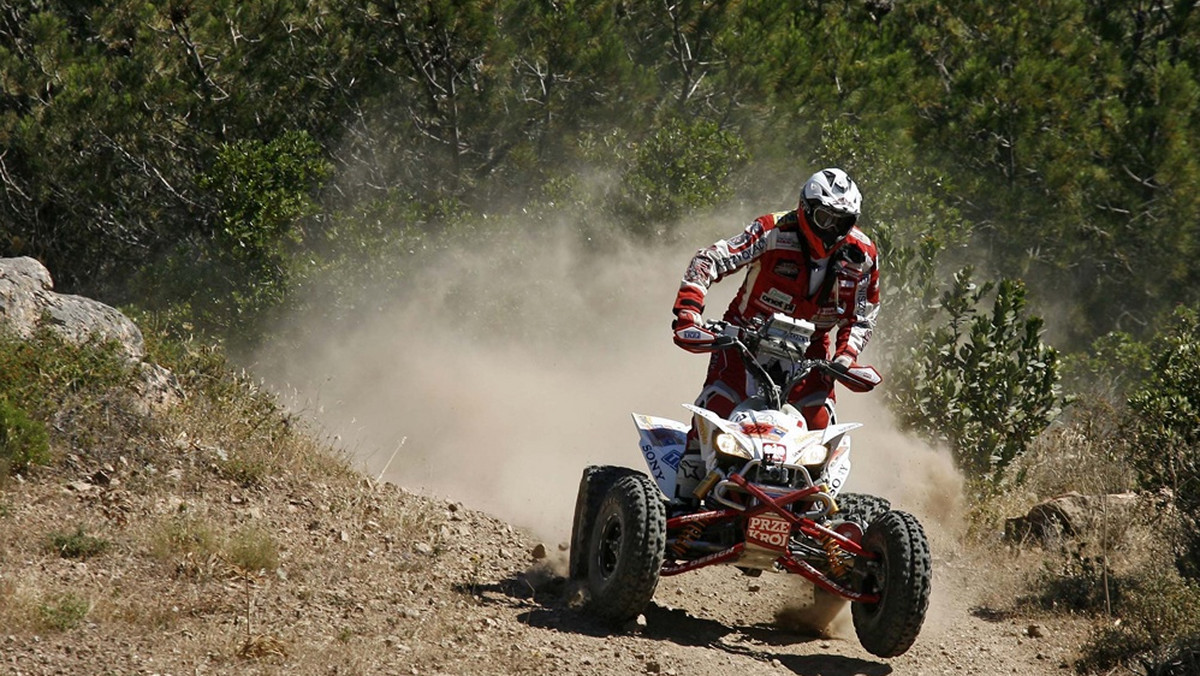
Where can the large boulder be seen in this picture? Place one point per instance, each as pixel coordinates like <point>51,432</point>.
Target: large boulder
<point>28,300</point>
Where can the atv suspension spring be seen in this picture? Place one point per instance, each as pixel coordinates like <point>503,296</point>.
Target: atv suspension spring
<point>687,536</point>
<point>835,555</point>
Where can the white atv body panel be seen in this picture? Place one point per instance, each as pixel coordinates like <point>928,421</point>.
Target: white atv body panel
<point>663,442</point>
<point>782,436</point>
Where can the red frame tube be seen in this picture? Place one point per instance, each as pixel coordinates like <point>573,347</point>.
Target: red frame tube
<point>807,526</point>
<point>733,552</point>
<point>792,565</point>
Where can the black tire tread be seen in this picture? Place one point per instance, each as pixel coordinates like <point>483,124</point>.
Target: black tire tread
<point>890,627</point>
<point>624,595</point>
<point>593,486</point>
<point>862,506</point>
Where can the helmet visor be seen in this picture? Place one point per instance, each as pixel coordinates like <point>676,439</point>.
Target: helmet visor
<point>832,221</point>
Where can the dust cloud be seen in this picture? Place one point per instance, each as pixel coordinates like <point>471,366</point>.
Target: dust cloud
<point>511,367</point>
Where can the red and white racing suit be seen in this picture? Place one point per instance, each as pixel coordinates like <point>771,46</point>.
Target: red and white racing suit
<point>839,294</point>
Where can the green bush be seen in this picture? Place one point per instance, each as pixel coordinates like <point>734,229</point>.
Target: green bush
<point>77,544</point>
<point>63,612</point>
<point>41,373</point>
<point>228,280</point>
<point>983,383</point>
<point>43,369</point>
<point>1165,426</point>
<point>682,167</point>
<point>23,442</point>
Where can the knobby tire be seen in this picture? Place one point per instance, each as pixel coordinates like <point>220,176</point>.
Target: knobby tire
<point>905,572</point>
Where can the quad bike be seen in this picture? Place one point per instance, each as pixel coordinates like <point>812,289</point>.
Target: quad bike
<point>763,493</point>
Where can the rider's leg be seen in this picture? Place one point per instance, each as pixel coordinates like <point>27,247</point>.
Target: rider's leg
<point>815,398</point>
<point>724,388</point>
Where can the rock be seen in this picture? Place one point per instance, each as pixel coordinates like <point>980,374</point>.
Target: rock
<point>26,294</point>
<point>635,626</point>
<point>80,486</point>
<point>1072,514</point>
<point>539,552</point>
<point>27,299</point>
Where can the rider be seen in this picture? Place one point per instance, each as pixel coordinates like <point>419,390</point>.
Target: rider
<point>811,263</point>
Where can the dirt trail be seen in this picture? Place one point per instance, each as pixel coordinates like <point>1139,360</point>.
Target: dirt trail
<point>353,597</point>
<point>718,621</point>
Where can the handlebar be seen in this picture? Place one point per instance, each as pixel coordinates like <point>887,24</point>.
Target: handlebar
<point>786,339</point>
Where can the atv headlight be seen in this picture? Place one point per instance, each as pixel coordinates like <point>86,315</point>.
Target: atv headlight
<point>813,455</point>
<point>728,445</point>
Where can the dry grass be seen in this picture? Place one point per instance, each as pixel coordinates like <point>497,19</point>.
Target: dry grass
<point>1121,573</point>
<point>1084,454</point>
<point>219,533</point>
<point>252,549</point>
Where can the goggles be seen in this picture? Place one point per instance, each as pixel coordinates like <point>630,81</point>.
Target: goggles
<point>829,220</point>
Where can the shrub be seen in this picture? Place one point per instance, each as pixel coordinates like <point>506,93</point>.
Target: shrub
<point>984,383</point>
<point>253,549</point>
<point>1178,659</point>
<point>684,166</point>
<point>183,537</point>
<point>259,193</point>
<point>23,441</point>
<point>1165,426</point>
<point>77,545</point>
<point>40,373</point>
<point>63,612</point>
<point>1159,609</point>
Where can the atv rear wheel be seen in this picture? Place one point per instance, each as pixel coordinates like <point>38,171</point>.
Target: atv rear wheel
<point>862,507</point>
<point>593,486</point>
<point>625,548</point>
<point>902,577</point>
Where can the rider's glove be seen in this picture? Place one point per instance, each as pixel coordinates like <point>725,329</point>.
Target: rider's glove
<point>693,335</point>
<point>843,360</point>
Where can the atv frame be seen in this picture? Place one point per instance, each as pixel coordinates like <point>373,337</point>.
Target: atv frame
<point>837,545</point>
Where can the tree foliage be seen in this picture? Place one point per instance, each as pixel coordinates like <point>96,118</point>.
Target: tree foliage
<point>1067,126</point>
<point>213,158</point>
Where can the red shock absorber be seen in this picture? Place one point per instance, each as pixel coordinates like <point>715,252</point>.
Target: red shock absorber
<point>687,536</point>
<point>836,557</point>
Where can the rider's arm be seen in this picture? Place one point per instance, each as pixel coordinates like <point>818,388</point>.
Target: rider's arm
<point>710,265</point>
<point>861,300</point>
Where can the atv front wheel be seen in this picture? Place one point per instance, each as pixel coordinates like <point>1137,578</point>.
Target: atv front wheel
<point>902,577</point>
<point>625,548</point>
<point>593,486</point>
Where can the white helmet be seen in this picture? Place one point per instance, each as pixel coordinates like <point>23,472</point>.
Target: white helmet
<point>831,204</point>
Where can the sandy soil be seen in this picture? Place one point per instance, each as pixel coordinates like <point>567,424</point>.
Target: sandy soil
<point>373,579</point>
